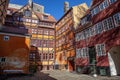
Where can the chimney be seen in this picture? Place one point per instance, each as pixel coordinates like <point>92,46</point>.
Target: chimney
<point>30,2</point>
<point>66,6</point>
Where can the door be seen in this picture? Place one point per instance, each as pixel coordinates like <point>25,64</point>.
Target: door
<point>92,60</point>
<point>92,55</point>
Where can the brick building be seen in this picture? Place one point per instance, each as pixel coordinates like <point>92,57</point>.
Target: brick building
<point>98,39</point>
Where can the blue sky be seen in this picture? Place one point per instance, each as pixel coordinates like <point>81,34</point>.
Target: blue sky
<point>53,7</point>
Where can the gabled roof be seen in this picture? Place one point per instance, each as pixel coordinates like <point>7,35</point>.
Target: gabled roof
<point>39,15</point>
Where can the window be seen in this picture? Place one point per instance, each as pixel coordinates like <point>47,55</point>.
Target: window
<point>46,32</point>
<point>27,13</point>
<point>3,59</point>
<point>112,1</point>
<point>88,32</point>
<point>34,21</point>
<point>45,43</point>
<point>40,31</point>
<point>103,5</point>
<point>100,49</point>
<point>28,20</point>
<point>108,24</point>
<point>32,56</point>
<point>117,19</point>
<point>84,52</point>
<point>34,42</point>
<point>82,35</point>
<point>6,38</point>
<point>83,21</point>
<point>8,12</point>
<point>95,11</point>
<point>51,32</point>
<point>45,16</point>
<point>98,28</point>
<point>77,53</point>
<point>39,43</point>
<point>34,31</point>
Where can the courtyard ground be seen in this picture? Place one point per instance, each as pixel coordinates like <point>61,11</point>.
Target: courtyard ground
<point>59,75</point>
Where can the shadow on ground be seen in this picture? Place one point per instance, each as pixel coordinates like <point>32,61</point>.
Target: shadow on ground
<point>36,76</point>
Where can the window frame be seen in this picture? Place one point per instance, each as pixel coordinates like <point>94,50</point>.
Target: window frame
<point>117,23</point>
<point>101,51</point>
<point>112,2</point>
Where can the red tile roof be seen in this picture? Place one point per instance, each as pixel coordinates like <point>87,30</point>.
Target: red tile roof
<point>49,17</point>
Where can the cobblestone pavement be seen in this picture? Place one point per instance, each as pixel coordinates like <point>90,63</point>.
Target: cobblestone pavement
<point>60,75</point>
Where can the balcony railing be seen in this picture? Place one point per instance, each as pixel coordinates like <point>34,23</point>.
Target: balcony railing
<point>14,30</point>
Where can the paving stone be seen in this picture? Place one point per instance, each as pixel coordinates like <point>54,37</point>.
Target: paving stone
<point>61,75</point>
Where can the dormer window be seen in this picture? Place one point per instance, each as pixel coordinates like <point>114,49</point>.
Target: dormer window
<point>27,13</point>
<point>45,16</point>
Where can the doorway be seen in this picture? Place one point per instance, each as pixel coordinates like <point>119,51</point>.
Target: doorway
<point>92,60</point>
<point>92,55</point>
<point>114,60</point>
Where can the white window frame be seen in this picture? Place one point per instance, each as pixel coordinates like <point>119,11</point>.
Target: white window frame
<point>116,18</point>
<point>84,52</point>
<point>111,2</point>
<point>100,49</point>
<point>103,5</point>
<point>34,31</point>
<point>82,35</point>
<point>98,28</point>
<point>95,10</point>
<point>107,26</point>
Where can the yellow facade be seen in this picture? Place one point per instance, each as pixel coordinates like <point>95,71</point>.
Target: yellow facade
<point>65,35</point>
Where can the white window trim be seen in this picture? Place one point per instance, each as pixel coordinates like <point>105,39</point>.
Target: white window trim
<point>108,27</point>
<point>101,53</point>
<point>116,24</point>
<point>112,2</point>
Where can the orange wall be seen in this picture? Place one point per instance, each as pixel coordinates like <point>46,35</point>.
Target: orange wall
<point>16,52</point>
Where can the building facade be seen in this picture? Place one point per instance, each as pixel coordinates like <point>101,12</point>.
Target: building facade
<point>64,30</point>
<point>40,26</point>
<point>3,10</point>
<point>97,39</point>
